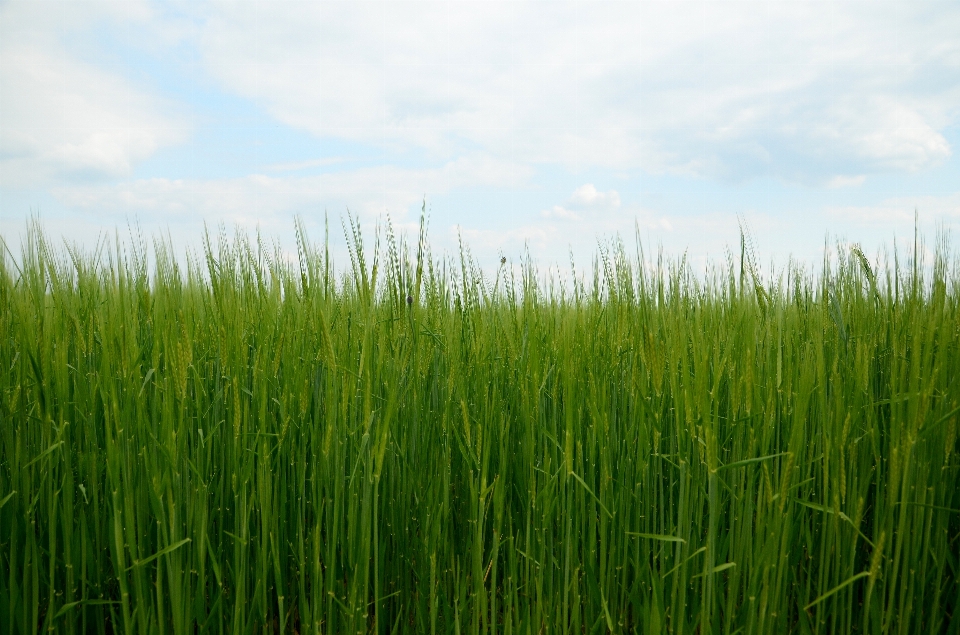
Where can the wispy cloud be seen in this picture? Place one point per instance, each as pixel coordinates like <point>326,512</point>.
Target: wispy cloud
<point>296,166</point>
<point>586,201</point>
<point>65,118</point>
<point>723,90</point>
<point>368,192</point>
<point>841,181</point>
<point>554,123</point>
<point>899,212</point>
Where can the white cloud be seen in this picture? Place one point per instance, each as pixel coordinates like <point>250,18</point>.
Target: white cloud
<point>842,180</point>
<point>294,166</point>
<point>368,192</point>
<point>585,200</point>
<point>553,238</point>
<point>587,197</point>
<point>558,211</point>
<point>61,117</point>
<point>269,203</point>
<point>801,90</point>
<point>896,214</point>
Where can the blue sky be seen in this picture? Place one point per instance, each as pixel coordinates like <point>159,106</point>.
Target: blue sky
<point>540,126</point>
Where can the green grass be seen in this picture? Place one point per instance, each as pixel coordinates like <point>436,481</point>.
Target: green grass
<point>240,445</point>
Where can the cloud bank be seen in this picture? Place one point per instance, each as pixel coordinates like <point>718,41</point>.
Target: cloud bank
<point>802,91</point>
<point>556,121</point>
<point>63,118</point>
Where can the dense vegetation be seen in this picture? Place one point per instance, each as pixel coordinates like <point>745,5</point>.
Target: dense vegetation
<point>244,445</point>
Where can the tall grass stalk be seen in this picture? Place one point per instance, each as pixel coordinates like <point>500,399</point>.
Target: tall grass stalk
<point>242,445</point>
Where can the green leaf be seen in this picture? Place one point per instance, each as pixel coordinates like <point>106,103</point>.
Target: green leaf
<point>6,498</point>
<point>942,419</point>
<point>749,461</point>
<point>145,380</point>
<point>846,583</point>
<point>660,537</point>
<point>716,569</point>
<point>43,454</point>
<point>162,552</point>
<point>70,605</point>
<point>590,491</point>
<point>840,515</point>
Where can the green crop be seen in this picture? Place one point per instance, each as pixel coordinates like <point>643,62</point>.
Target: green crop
<point>242,445</point>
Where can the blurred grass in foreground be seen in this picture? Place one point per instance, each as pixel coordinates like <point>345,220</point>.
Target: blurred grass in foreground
<point>241,445</point>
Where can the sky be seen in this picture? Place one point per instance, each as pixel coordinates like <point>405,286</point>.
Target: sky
<point>544,128</point>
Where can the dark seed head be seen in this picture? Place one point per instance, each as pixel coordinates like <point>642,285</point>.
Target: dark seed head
<point>503,260</point>
<point>409,299</point>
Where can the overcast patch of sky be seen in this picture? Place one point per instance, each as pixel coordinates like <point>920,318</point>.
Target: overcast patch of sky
<point>523,123</point>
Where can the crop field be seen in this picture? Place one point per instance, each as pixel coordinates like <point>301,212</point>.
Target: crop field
<point>248,443</point>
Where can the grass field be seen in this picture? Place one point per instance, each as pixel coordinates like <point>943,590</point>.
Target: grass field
<point>242,445</point>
